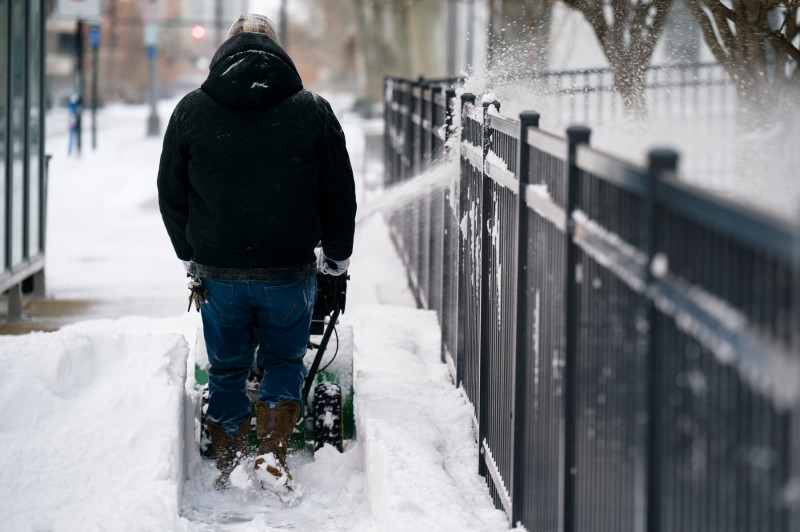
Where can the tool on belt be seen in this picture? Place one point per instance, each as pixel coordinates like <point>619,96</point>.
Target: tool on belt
<point>197,293</point>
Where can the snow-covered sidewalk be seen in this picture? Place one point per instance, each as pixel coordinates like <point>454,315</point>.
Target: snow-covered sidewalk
<point>97,419</point>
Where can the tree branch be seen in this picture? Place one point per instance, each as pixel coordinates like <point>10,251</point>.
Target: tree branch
<point>780,42</point>
<point>594,15</point>
<point>660,20</point>
<point>639,19</point>
<point>721,14</point>
<point>712,39</point>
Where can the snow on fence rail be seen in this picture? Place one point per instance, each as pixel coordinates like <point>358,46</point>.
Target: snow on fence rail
<point>630,344</point>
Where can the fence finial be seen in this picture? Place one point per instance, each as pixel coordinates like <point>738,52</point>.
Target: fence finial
<point>663,159</point>
<point>487,103</point>
<point>529,118</point>
<point>578,134</point>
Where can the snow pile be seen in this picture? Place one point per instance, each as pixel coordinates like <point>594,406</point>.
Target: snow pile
<point>91,431</point>
<point>415,428</point>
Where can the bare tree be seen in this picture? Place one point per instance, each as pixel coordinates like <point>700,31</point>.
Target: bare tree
<point>628,31</point>
<point>376,18</point>
<point>755,41</point>
<point>322,44</point>
<point>400,37</point>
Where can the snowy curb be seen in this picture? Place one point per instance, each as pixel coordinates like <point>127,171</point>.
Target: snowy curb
<point>415,428</point>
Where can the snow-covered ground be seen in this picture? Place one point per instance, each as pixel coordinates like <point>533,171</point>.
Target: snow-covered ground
<point>97,424</point>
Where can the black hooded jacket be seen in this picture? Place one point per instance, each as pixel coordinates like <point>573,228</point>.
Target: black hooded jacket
<point>254,170</point>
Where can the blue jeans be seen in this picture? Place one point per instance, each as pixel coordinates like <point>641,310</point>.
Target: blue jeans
<point>241,316</point>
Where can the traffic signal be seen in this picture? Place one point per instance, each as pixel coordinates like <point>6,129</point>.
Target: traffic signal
<point>198,32</point>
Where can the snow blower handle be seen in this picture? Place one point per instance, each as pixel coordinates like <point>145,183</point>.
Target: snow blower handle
<point>331,297</point>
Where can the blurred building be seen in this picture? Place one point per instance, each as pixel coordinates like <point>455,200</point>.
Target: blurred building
<point>123,71</point>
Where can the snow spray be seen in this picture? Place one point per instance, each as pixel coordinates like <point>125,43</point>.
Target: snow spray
<point>398,196</point>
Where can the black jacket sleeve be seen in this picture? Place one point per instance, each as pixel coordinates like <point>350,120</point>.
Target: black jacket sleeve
<point>173,188</point>
<point>337,198</point>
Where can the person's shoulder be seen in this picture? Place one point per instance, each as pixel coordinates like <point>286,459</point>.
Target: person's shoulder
<point>321,102</point>
<point>305,97</point>
<point>311,103</point>
<point>189,104</point>
<point>193,98</point>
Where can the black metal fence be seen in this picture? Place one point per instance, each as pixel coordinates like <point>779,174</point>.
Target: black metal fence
<point>630,344</point>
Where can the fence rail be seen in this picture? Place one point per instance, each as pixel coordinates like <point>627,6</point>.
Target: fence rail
<point>630,344</point>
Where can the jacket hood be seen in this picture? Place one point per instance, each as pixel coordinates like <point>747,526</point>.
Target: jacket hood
<point>251,70</point>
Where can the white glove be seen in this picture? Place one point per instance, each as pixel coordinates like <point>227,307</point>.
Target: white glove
<point>328,266</point>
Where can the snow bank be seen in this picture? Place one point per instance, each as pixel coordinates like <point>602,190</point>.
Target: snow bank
<point>91,431</point>
<point>415,428</point>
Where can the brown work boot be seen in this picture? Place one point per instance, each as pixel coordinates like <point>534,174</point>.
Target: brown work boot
<point>274,428</point>
<point>230,450</point>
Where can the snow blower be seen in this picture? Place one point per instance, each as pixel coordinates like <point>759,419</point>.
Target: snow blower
<point>328,414</point>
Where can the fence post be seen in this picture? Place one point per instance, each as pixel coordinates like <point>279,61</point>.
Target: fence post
<point>435,154</point>
<point>576,135</point>
<point>648,389</point>
<point>449,96</point>
<point>483,385</point>
<point>436,215</point>
<point>451,239</point>
<point>387,126</point>
<point>466,99</point>
<point>423,154</point>
<point>526,119</point>
<point>794,516</point>
<point>415,110</point>
<point>408,129</point>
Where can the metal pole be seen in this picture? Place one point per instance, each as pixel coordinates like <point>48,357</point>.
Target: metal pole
<point>794,515</point>
<point>95,42</point>
<point>576,135</point>
<point>153,122</point>
<point>527,119</point>
<point>485,258</point>
<point>79,84</point>
<point>462,255</point>
<point>151,36</point>
<point>650,397</point>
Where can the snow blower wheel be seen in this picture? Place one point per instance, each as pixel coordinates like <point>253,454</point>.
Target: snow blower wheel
<point>328,428</point>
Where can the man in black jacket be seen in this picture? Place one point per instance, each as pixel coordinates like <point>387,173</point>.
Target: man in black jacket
<point>254,173</point>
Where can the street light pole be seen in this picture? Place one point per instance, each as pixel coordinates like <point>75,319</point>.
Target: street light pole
<point>151,44</point>
<point>153,122</point>
<point>94,41</point>
<point>79,85</point>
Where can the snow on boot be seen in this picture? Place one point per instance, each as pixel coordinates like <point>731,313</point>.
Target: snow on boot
<point>230,450</point>
<point>274,428</point>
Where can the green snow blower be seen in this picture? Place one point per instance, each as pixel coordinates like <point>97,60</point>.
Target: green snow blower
<point>328,417</point>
